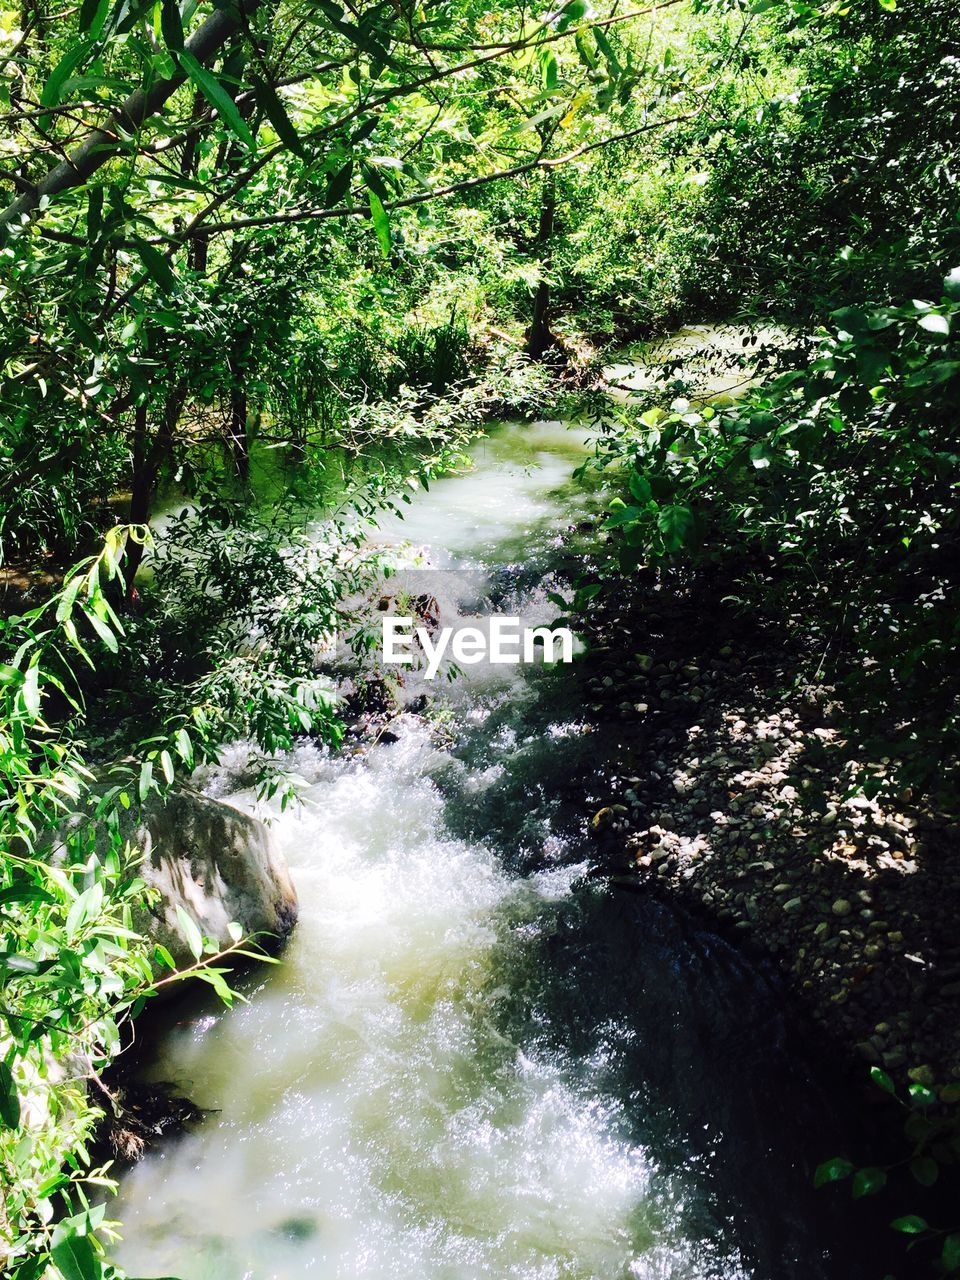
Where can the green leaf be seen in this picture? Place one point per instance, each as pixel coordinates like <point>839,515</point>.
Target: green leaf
<point>605,47</point>
<point>146,780</point>
<point>909,1224</point>
<point>381,222</point>
<point>640,487</point>
<point>272,106</point>
<point>574,11</point>
<point>921,1096</point>
<point>163,956</point>
<point>932,374</point>
<point>217,96</point>
<point>950,1257</point>
<point>13,962</point>
<point>166,764</point>
<point>867,1182</point>
<point>374,182</point>
<point>171,26</point>
<point>84,908</point>
<point>30,692</point>
<point>760,455</point>
<point>935,324</point>
<point>103,631</point>
<point>51,93</point>
<point>76,1260</point>
<point>191,933</point>
<point>622,515</point>
<point>881,1078</point>
<point>853,319</point>
<point>9,1101</point>
<point>338,185</point>
<point>156,265</point>
<point>93,14</point>
<point>925,1170</point>
<point>834,1170</point>
<point>24,893</point>
<point>549,70</point>
<point>675,523</point>
<point>184,747</point>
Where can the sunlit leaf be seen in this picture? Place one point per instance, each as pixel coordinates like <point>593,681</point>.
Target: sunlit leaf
<point>217,96</point>
<point>381,222</point>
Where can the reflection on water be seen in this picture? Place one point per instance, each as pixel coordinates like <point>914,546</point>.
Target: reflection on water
<point>475,1061</point>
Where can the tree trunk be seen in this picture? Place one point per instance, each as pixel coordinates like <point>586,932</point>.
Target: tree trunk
<point>539,337</point>
<point>148,458</point>
<point>238,442</point>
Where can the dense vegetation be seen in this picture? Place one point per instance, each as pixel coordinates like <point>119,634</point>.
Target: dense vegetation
<point>275,257</point>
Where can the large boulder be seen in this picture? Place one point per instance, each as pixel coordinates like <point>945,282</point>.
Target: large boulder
<point>217,863</point>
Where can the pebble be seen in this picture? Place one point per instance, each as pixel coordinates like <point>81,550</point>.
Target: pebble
<point>740,786</point>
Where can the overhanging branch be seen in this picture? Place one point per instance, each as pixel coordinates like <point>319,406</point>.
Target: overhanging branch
<point>106,141</point>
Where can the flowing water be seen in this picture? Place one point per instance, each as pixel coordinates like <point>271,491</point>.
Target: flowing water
<point>475,1060</point>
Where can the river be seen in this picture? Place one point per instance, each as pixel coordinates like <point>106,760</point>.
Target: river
<point>475,1060</point>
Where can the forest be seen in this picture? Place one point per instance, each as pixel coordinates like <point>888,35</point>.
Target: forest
<point>647,313</point>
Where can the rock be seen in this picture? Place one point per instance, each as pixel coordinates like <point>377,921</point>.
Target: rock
<point>219,864</point>
<point>841,907</point>
<point>922,1074</point>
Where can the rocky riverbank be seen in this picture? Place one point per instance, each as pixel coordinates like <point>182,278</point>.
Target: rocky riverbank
<point>739,792</point>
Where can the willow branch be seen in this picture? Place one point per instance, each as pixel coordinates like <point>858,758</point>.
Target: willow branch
<point>453,188</point>
<point>102,143</point>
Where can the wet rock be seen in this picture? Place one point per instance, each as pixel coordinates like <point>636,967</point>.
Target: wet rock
<point>219,865</point>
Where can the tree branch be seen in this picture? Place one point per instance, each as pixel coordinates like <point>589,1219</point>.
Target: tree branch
<point>104,142</point>
<point>363,211</point>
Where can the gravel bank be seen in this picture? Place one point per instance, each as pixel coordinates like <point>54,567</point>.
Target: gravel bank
<point>739,792</point>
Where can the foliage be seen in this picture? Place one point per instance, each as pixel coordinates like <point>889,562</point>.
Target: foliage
<point>255,235</point>
<point>73,971</point>
<point>931,1138</point>
<point>828,491</point>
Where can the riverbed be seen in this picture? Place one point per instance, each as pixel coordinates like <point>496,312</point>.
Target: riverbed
<point>476,1059</point>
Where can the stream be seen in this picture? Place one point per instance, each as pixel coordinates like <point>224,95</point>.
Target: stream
<point>475,1060</point>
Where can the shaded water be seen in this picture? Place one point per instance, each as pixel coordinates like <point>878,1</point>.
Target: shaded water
<point>476,1061</point>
